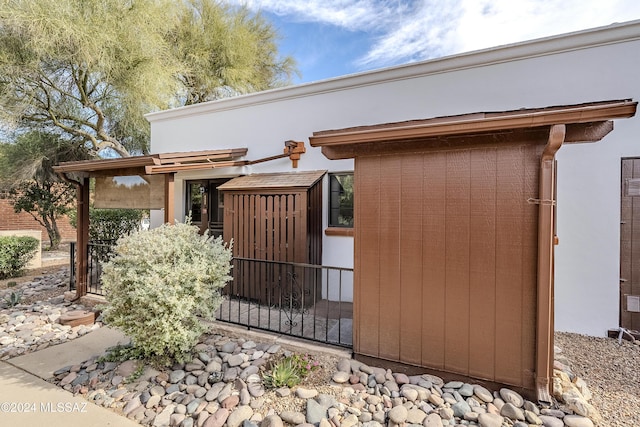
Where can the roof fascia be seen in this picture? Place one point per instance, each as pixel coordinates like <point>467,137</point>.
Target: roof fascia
<point>476,123</point>
<point>612,34</point>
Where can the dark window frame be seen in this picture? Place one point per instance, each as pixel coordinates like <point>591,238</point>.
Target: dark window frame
<point>339,212</point>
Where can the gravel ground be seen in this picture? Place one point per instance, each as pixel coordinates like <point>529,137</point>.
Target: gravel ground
<point>612,372</point>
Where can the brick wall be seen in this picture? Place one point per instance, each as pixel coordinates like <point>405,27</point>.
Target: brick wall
<point>9,220</point>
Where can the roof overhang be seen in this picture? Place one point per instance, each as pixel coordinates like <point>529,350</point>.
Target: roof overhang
<point>584,122</point>
<point>154,164</point>
<point>274,181</point>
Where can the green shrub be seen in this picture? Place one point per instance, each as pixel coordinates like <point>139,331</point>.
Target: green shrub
<point>15,254</point>
<point>108,225</point>
<point>159,283</point>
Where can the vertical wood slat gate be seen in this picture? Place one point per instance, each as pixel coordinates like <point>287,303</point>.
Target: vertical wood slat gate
<point>275,224</point>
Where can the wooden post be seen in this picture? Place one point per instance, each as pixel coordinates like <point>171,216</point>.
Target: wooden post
<point>82,237</point>
<point>169,211</point>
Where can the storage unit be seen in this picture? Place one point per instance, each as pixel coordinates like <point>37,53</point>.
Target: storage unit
<point>273,217</point>
<point>454,231</point>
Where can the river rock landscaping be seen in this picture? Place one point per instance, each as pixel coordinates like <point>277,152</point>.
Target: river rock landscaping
<point>33,323</point>
<point>223,385</point>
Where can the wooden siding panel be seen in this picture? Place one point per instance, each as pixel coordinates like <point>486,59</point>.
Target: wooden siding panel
<point>366,274</point>
<point>434,189</point>
<point>509,255</point>
<point>410,291</point>
<point>532,157</point>
<point>457,262</point>
<point>389,257</point>
<point>482,259</point>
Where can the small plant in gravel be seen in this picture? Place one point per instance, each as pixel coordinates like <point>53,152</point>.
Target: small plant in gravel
<point>121,353</point>
<point>159,285</point>
<point>13,299</point>
<point>12,284</point>
<point>289,371</point>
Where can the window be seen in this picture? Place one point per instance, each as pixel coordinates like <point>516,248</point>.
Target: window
<point>341,200</point>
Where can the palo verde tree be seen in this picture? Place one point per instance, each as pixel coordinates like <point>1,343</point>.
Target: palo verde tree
<point>91,69</point>
<point>27,177</point>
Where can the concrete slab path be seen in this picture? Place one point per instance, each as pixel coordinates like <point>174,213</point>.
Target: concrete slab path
<point>45,362</point>
<point>27,400</point>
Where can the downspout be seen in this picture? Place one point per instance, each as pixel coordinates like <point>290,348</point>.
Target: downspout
<point>546,206</point>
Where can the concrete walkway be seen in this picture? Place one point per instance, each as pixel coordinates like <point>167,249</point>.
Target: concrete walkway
<point>27,400</point>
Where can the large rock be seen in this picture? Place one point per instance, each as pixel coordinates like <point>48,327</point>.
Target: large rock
<point>272,421</point>
<point>315,412</point>
<point>291,417</point>
<point>398,414</point>
<point>512,412</point>
<point>577,421</point>
<point>510,396</point>
<point>551,421</point>
<point>490,420</point>
<point>432,420</point>
<point>240,414</point>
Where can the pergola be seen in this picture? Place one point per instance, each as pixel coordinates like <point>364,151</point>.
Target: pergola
<point>166,164</point>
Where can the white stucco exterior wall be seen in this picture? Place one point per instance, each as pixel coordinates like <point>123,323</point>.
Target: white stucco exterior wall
<point>583,67</point>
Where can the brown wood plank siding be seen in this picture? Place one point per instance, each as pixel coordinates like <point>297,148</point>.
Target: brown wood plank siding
<point>482,263</point>
<point>366,264</point>
<point>389,258</point>
<point>532,155</point>
<point>457,205</point>
<point>433,260</point>
<point>410,308</point>
<point>510,203</point>
<point>446,247</point>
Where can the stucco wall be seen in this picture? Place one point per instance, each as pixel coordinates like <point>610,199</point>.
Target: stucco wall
<point>548,72</point>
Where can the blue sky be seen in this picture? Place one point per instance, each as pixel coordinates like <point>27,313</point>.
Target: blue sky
<point>330,38</point>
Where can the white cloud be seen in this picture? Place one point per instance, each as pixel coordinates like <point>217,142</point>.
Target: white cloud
<point>404,31</point>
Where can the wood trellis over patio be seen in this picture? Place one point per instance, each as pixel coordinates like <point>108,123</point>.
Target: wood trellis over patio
<point>167,164</point>
<point>453,263</point>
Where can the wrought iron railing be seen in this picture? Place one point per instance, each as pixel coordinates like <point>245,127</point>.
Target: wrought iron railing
<point>97,252</point>
<point>301,300</point>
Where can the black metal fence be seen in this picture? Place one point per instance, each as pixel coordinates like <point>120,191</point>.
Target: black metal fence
<point>97,252</point>
<point>300,300</point>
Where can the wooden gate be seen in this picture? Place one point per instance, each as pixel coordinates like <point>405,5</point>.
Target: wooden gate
<point>630,245</point>
<point>274,217</point>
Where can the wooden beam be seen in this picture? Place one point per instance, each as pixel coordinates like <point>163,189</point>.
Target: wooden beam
<point>82,238</point>
<point>170,168</point>
<point>169,211</point>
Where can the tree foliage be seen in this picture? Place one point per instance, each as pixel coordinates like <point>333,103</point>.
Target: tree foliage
<point>91,69</point>
<point>27,177</point>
